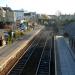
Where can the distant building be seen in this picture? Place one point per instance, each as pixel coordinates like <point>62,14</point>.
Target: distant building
<point>19,15</point>
<point>45,19</point>
<point>66,17</point>
<point>30,16</point>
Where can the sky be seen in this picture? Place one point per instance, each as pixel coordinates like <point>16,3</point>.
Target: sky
<point>49,7</point>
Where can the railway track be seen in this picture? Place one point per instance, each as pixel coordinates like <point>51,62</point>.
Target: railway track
<point>36,61</point>
<point>44,63</point>
<point>18,67</point>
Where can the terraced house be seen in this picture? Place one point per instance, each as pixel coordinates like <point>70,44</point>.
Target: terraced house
<point>7,17</point>
<point>2,15</point>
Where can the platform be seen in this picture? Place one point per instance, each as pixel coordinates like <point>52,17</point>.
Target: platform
<point>65,61</point>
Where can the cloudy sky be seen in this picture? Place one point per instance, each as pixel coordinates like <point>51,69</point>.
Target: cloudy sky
<point>42,6</point>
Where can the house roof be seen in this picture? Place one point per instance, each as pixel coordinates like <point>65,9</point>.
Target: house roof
<point>7,8</point>
<point>18,10</point>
